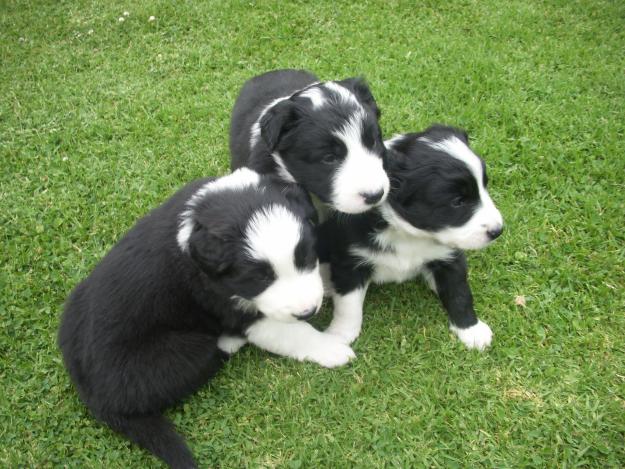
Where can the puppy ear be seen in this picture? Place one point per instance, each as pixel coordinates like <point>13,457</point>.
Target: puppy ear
<point>464,136</point>
<point>361,89</point>
<point>400,148</point>
<point>277,120</point>
<point>208,250</point>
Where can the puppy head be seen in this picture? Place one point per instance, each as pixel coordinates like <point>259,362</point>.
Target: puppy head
<point>327,138</point>
<point>256,244</point>
<point>439,189</point>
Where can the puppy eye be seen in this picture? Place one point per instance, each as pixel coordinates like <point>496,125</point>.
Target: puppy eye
<point>458,202</point>
<point>328,158</point>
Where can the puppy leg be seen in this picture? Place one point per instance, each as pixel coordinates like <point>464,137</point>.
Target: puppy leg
<point>299,340</point>
<point>349,280</point>
<point>347,315</point>
<point>449,280</point>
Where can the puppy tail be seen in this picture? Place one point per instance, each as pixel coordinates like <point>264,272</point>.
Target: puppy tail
<point>156,434</point>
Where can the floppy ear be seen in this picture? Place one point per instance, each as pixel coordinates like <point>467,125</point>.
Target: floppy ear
<point>401,147</point>
<point>464,136</point>
<point>208,250</point>
<point>277,120</point>
<point>361,89</point>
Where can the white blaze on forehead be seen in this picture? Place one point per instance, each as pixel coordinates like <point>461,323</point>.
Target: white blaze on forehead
<point>272,235</point>
<point>456,148</point>
<point>342,94</point>
<point>351,132</point>
<point>238,180</point>
<point>316,96</point>
<point>361,172</point>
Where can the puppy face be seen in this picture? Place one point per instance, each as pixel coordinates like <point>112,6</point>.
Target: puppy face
<point>327,138</point>
<point>439,188</point>
<point>253,237</point>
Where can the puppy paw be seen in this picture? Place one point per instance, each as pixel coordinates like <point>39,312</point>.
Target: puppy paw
<point>478,336</point>
<point>332,353</point>
<point>344,334</point>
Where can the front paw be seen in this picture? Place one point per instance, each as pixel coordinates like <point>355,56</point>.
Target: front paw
<point>331,353</point>
<point>344,334</point>
<point>478,336</point>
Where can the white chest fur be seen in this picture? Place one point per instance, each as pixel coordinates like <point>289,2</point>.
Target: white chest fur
<point>403,255</point>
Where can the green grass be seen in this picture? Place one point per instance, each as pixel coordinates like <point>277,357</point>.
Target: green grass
<point>100,120</point>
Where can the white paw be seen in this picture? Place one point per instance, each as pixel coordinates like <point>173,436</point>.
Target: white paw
<point>345,334</point>
<point>477,337</point>
<point>331,353</point>
<point>230,344</point>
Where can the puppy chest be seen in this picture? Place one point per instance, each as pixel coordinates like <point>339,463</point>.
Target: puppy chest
<point>402,260</point>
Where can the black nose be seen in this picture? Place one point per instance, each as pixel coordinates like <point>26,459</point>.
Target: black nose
<point>309,313</point>
<point>495,232</point>
<point>372,197</point>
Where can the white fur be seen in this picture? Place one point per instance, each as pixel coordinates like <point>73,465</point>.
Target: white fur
<point>237,180</point>
<point>473,234</point>
<point>347,317</point>
<point>316,96</point>
<point>230,343</point>
<point>389,143</point>
<point>342,94</point>
<point>478,336</point>
<point>405,250</point>
<point>272,235</point>
<point>360,173</point>
<point>299,340</point>
<point>282,169</point>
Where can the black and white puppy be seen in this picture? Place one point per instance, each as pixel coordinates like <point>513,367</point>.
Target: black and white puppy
<point>222,262</point>
<point>322,135</point>
<point>438,206</point>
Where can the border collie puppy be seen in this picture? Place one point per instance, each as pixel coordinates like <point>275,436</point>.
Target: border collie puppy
<point>438,206</point>
<point>322,135</point>
<point>222,262</point>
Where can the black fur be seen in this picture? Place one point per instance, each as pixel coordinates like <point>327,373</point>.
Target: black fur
<point>453,289</point>
<point>427,186</point>
<point>303,136</point>
<point>140,333</point>
<point>431,191</point>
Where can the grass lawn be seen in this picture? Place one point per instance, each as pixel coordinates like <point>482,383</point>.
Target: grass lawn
<point>101,119</point>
